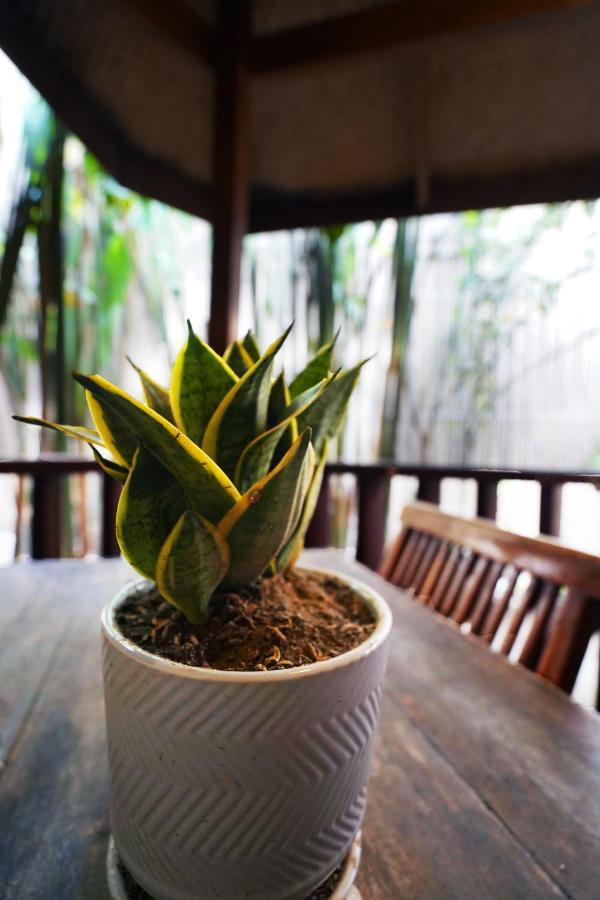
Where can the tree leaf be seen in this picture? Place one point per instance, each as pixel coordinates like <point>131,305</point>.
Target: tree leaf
<point>119,473</point>
<point>295,540</point>
<point>242,414</point>
<point>89,435</point>
<point>317,369</point>
<point>199,382</point>
<point>149,506</point>
<point>191,564</point>
<point>157,396</point>
<point>256,526</point>
<point>238,358</point>
<point>208,490</point>
<point>115,432</point>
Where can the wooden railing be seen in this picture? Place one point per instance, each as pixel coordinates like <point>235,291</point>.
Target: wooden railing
<point>46,522</point>
<point>372,483</point>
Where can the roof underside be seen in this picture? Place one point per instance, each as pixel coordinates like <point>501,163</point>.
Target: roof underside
<point>491,114</point>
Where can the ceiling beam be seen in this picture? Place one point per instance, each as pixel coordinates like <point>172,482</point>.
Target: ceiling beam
<point>386,26</point>
<point>274,211</point>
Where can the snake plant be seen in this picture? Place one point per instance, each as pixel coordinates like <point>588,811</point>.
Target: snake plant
<point>222,471</point>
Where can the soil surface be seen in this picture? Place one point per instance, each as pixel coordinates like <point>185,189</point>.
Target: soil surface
<point>278,622</point>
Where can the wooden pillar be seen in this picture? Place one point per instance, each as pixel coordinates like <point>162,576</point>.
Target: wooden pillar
<point>487,498</point>
<point>230,168</point>
<point>550,508</point>
<point>46,535</point>
<point>429,489</point>
<point>373,494</point>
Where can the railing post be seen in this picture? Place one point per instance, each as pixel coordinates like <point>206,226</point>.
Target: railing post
<point>111,491</point>
<point>429,489</point>
<point>550,508</point>
<point>46,530</point>
<point>318,531</point>
<point>373,492</point>
<point>487,498</point>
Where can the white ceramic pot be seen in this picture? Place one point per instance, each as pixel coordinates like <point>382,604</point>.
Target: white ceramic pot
<point>236,785</point>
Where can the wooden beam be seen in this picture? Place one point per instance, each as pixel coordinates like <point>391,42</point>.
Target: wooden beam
<point>231,197</point>
<point>387,26</point>
<point>273,210</point>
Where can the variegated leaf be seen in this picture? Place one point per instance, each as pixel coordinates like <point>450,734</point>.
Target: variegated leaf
<point>191,565</point>
<point>326,414</point>
<point>257,525</point>
<point>149,506</point>
<point>294,542</point>
<point>199,382</point>
<point>238,358</point>
<point>157,396</point>
<point>208,490</point>
<point>316,370</point>
<point>119,473</point>
<point>89,435</point>
<point>114,430</point>
<point>242,415</point>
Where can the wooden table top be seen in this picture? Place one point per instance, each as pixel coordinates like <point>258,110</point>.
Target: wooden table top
<point>485,783</point>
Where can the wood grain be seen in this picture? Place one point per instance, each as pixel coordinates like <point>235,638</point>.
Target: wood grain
<point>485,778</point>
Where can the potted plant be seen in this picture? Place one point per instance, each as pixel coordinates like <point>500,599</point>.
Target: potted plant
<point>242,692</point>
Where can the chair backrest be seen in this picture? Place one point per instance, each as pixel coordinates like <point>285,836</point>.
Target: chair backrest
<point>532,599</point>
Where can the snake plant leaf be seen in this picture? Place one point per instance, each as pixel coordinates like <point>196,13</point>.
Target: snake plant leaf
<point>242,415</point>
<point>191,564</point>
<point>326,414</point>
<point>157,396</point>
<point>149,506</point>
<point>119,473</point>
<point>304,400</point>
<point>89,435</point>
<point>317,369</point>
<point>115,432</point>
<point>208,490</point>
<point>237,357</point>
<point>279,400</point>
<point>258,456</point>
<point>251,347</point>
<point>199,382</point>
<point>295,540</point>
<point>256,526</point>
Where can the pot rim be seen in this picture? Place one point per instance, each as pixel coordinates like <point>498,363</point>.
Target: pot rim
<point>376,603</point>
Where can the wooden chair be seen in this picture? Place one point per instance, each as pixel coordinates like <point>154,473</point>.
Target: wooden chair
<point>531,599</point>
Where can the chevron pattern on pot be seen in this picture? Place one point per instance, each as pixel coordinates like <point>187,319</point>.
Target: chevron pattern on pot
<point>232,790</point>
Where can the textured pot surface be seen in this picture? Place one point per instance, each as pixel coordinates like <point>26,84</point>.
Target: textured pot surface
<point>238,785</point>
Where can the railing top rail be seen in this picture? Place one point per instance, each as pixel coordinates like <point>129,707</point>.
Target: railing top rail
<point>550,476</point>
<point>60,463</point>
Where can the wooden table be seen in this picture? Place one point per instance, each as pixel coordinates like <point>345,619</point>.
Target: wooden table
<point>486,780</point>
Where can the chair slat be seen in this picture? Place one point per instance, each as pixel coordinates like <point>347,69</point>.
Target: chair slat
<point>405,557</point>
<point>446,576</point>
<point>426,564</point>
<point>391,558</point>
<point>437,566</point>
<point>484,598</point>
<point>414,562</point>
<point>527,601</point>
<point>532,648</point>
<point>470,590</point>
<point>577,619</point>
<point>500,608</point>
<point>456,585</point>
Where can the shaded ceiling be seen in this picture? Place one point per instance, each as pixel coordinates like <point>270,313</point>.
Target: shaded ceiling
<point>454,106</point>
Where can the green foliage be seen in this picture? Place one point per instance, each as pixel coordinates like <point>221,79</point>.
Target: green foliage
<point>227,490</point>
